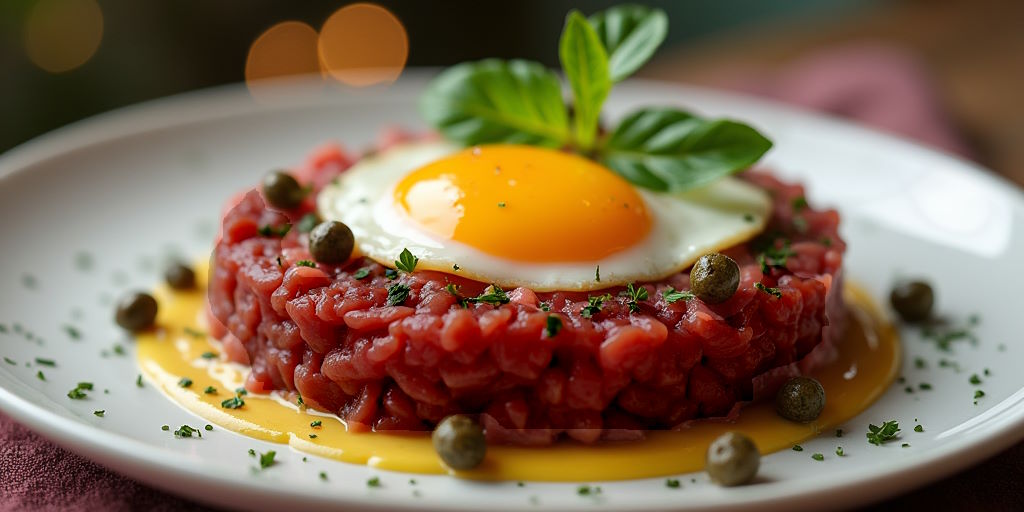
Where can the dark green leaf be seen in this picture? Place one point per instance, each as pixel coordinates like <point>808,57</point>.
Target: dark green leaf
<point>672,295</point>
<point>630,34</point>
<point>397,293</point>
<point>554,326</point>
<point>671,150</point>
<point>491,101</point>
<point>585,63</point>
<point>406,261</point>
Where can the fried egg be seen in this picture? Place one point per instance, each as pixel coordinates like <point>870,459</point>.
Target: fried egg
<point>527,216</point>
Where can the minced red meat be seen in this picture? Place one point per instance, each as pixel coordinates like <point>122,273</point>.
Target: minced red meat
<point>331,338</point>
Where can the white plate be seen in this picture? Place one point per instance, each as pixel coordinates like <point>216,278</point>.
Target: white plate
<point>129,187</point>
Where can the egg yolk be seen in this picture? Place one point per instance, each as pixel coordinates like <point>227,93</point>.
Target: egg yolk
<point>525,203</point>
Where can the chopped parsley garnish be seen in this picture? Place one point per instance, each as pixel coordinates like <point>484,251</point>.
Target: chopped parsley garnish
<point>554,325</point>
<point>493,295</point>
<point>299,402</point>
<point>635,294</point>
<point>312,436</point>
<point>138,381</point>
<point>185,382</point>
<point>818,457</point>
<point>119,350</point>
<point>594,303</point>
<point>210,390</point>
<point>597,274</point>
<point>456,267</point>
<point>99,413</point>
<point>839,451</point>
<point>919,428</point>
<point>775,292</point>
<point>208,355</point>
<point>905,445</point>
<point>10,361</point>
<point>46,362</point>
<point>799,203</point>
<point>241,392</point>
<point>925,386</point>
<point>839,432</point>
<point>501,204</point>
<point>920,363</point>
<point>275,231</point>
<point>672,483</point>
<point>308,222</point>
<point>454,290</point>
<point>774,257</point>
<point>748,217</point>
<point>315,423</point>
<point>798,448</point>
<point>323,476</point>
<point>397,293</point>
<point>73,332</point>
<point>252,453</point>
<point>390,273</point>
<point>187,431</point>
<point>373,482</point>
<point>234,402</point>
<point>586,490</point>
<point>973,380</point>
<point>79,392</point>
<point>406,261</point>
<point>40,376</point>
<point>877,435</point>
<point>987,372</point>
<point>978,394</point>
<point>544,306</point>
<point>305,263</point>
<point>944,335</point>
<point>362,273</point>
<point>208,427</point>
<point>267,459</point>
<point>165,428</point>
<point>671,295</point>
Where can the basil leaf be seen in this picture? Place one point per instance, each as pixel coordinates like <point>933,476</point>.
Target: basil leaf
<point>671,150</point>
<point>491,101</point>
<point>630,34</point>
<point>585,64</point>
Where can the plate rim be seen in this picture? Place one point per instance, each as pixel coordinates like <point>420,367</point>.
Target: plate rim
<point>1004,421</point>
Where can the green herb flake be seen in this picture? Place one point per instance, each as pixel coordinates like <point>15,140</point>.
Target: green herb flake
<point>406,261</point>
<point>210,390</point>
<point>234,402</point>
<point>920,363</point>
<point>987,372</point>
<point>46,362</point>
<point>165,428</point>
<point>818,457</point>
<point>554,326</point>
<point>839,432</point>
<point>308,222</point>
<point>241,391</point>
<point>361,273</point>
<point>877,435</point>
<point>799,204</point>
<point>635,295</point>
<point>978,394</point>
<point>208,427</point>
<point>973,380</point>
<point>185,382</point>
<point>269,231</point>
<point>391,273</point>
<point>315,423</point>
<point>323,476</point>
<point>597,274</point>
<point>493,295</point>
<point>544,306</point>
<point>373,482</point>
<point>501,204</point>
<point>672,483</point>
<point>267,459</point>
<point>594,303</point>
<point>775,292</point>
<point>905,445</point>
<point>840,452</point>
<point>672,295</point>
<point>587,490</point>
<point>798,448</point>
<point>748,217</point>
<point>305,263</point>
<point>119,350</point>
<point>208,355</point>
<point>252,453</point>
<point>397,294</point>
<point>456,267</point>
<point>312,436</point>
<point>918,428</point>
<point>138,381</point>
<point>925,386</point>
<point>73,332</point>
<point>10,361</point>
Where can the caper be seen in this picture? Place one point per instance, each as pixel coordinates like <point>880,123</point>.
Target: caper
<point>136,311</point>
<point>460,442</point>
<point>180,276</point>
<point>913,300</point>
<point>331,242</point>
<point>800,399</point>
<point>282,191</point>
<point>714,278</point>
<point>732,459</point>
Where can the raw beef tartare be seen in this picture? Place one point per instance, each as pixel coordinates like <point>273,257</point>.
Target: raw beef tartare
<point>605,363</point>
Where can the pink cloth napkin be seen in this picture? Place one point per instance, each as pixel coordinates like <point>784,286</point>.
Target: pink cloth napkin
<point>879,86</point>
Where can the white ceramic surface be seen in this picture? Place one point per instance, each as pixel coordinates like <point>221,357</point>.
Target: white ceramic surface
<point>91,210</point>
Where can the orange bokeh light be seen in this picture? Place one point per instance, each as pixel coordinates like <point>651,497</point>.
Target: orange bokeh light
<point>363,44</point>
<point>61,35</point>
<point>285,49</point>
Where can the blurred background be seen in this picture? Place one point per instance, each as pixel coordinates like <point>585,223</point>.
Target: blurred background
<point>949,73</point>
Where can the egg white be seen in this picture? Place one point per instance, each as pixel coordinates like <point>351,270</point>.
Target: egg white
<point>684,227</point>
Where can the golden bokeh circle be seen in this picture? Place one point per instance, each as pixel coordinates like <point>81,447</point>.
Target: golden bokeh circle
<point>363,44</point>
<point>61,35</point>
<point>285,49</point>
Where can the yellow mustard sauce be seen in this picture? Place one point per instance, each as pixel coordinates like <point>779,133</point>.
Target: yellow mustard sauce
<point>868,361</point>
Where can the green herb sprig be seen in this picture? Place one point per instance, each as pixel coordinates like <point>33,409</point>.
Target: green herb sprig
<point>520,102</point>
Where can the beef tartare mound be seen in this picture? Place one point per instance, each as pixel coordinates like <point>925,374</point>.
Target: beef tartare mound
<point>533,365</point>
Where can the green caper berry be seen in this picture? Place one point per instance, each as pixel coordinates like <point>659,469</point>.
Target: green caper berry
<point>714,278</point>
<point>136,311</point>
<point>913,300</point>
<point>180,277</point>
<point>732,460</point>
<point>460,442</point>
<point>800,399</point>
<point>282,191</point>
<point>331,242</point>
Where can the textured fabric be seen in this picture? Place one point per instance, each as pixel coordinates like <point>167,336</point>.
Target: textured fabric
<point>878,86</point>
